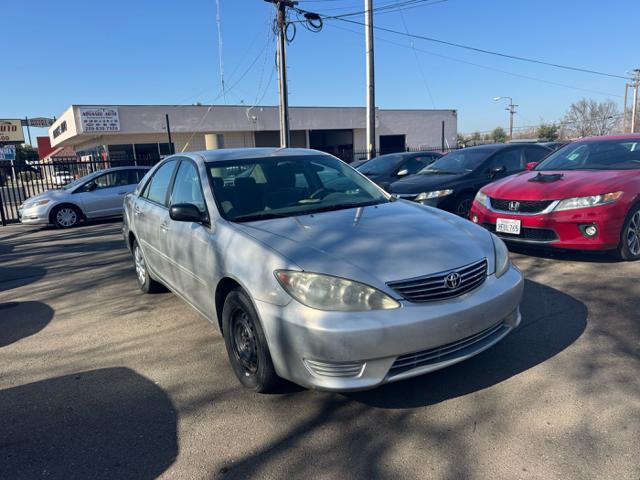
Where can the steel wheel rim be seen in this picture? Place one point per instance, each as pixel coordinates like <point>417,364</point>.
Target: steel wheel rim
<point>66,217</point>
<point>633,235</point>
<point>141,267</point>
<point>244,342</point>
<point>464,207</point>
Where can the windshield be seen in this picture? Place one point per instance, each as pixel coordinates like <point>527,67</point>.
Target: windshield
<point>460,161</point>
<point>75,183</point>
<point>618,154</point>
<point>274,187</point>
<point>381,164</point>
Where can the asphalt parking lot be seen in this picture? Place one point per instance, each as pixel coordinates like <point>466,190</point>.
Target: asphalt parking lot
<point>98,380</point>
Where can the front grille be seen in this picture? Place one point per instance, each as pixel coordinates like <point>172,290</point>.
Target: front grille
<point>434,287</point>
<point>522,206</point>
<point>528,234</point>
<point>446,352</point>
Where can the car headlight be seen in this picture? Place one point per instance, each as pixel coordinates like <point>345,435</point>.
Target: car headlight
<point>502,256</point>
<point>585,202</point>
<point>34,204</point>
<point>434,194</point>
<point>482,199</point>
<point>326,292</point>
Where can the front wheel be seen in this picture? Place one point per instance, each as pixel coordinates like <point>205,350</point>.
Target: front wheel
<point>246,344</point>
<point>66,216</point>
<point>629,248</point>
<point>463,205</point>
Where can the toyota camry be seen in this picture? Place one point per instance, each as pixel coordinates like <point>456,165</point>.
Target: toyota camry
<point>313,273</point>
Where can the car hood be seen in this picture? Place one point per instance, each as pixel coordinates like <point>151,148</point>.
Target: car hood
<point>376,244</point>
<point>424,182</point>
<point>573,183</point>
<point>48,195</point>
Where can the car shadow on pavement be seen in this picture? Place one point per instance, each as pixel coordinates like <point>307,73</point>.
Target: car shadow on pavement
<point>551,322</point>
<point>22,319</point>
<point>14,277</point>
<point>107,423</point>
<point>566,255</point>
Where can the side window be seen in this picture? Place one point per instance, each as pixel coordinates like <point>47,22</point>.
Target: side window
<point>535,154</point>
<point>156,189</point>
<point>187,187</point>
<point>511,160</point>
<point>112,179</point>
<point>416,164</point>
<point>136,175</point>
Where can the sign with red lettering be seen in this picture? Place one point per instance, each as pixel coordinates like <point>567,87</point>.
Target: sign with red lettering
<point>11,131</point>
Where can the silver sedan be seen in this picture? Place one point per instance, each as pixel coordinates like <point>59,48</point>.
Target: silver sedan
<point>313,273</point>
<point>97,195</point>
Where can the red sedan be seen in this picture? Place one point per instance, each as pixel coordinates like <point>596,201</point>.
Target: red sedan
<point>585,196</point>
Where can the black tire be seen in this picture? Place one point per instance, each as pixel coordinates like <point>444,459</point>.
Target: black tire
<point>462,205</point>
<point>629,247</point>
<point>146,283</point>
<point>66,216</point>
<point>246,344</point>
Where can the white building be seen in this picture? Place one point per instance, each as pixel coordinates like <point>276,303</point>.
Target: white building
<point>139,131</point>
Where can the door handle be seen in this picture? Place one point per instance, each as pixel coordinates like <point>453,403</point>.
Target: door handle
<point>137,211</point>
<point>164,227</point>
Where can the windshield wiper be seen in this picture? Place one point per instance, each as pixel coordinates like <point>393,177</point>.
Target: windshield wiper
<point>258,216</point>
<point>341,206</point>
<point>440,172</point>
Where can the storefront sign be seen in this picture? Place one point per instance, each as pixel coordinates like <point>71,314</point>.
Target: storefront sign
<point>99,120</point>
<point>11,131</point>
<point>8,153</point>
<point>38,122</point>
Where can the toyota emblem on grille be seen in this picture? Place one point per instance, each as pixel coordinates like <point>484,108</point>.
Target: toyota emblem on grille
<point>452,280</point>
<point>514,206</point>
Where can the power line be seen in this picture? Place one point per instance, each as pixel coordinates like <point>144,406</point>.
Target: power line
<point>486,67</point>
<point>475,49</point>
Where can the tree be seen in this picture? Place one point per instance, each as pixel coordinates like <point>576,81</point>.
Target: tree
<point>498,135</point>
<point>25,154</point>
<point>588,117</point>
<point>548,131</point>
<point>476,136</point>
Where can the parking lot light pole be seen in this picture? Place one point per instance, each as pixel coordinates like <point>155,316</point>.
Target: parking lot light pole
<point>371,86</point>
<point>512,110</point>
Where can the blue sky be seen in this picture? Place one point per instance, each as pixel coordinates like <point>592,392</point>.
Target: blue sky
<point>165,52</point>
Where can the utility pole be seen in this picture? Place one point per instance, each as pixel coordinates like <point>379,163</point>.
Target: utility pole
<point>512,111</point>
<point>634,107</point>
<point>281,25</point>
<point>371,85</point>
<point>624,111</point>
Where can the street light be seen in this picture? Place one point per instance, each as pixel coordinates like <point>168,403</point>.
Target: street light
<point>512,110</point>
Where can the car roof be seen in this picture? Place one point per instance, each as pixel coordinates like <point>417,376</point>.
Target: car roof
<point>627,136</point>
<point>248,153</point>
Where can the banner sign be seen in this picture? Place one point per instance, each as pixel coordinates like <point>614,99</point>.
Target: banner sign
<point>95,120</point>
<point>11,131</point>
<point>8,153</point>
<point>39,122</point>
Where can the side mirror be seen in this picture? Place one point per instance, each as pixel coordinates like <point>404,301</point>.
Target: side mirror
<point>402,172</point>
<point>497,170</point>
<point>531,165</point>
<point>187,212</point>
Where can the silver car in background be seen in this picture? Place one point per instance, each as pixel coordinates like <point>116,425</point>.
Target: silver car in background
<point>97,195</point>
<point>315,274</point>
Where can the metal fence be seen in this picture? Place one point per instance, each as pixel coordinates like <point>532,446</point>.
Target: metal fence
<point>19,181</point>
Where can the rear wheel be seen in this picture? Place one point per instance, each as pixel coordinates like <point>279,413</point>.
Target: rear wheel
<point>66,216</point>
<point>246,344</point>
<point>629,248</point>
<point>143,277</point>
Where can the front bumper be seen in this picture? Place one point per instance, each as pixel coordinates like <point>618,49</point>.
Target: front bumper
<point>560,229</point>
<point>348,351</point>
<point>34,215</point>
